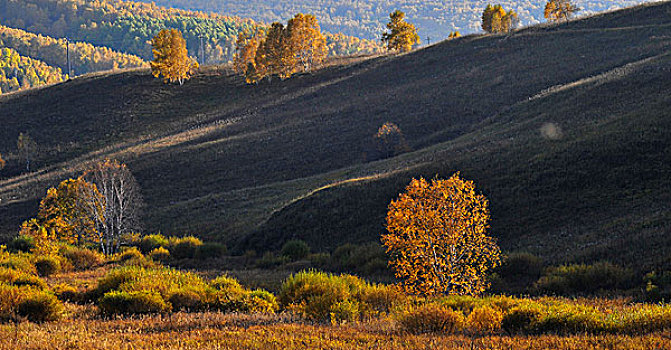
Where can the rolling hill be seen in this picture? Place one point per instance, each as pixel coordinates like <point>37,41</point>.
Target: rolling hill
<point>565,128</point>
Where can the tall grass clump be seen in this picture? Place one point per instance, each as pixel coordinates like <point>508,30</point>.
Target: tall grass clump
<point>337,298</point>
<point>431,318</point>
<point>82,258</point>
<point>28,302</point>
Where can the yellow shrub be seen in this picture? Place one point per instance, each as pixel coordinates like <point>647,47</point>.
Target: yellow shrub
<point>484,320</point>
<point>432,318</point>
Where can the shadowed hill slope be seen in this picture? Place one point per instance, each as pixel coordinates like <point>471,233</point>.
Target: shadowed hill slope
<point>566,129</point>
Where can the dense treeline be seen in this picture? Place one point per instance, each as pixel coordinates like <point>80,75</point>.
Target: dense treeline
<point>84,57</point>
<point>129,26</point>
<point>19,72</point>
<point>366,18</point>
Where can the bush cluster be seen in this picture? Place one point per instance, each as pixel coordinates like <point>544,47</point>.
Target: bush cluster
<point>584,279</point>
<point>137,290</point>
<point>162,248</point>
<point>336,298</point>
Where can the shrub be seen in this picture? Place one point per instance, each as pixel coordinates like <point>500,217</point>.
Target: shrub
<point>581,279</point>
<point>261,301</point>
<point>225,283</point>
<point>323,297</point>
<point>135,302</point>
<point>484,320</point>
<point>431,318</point>
<point>21,244</point>
<point>522,319</point>
<point>521,264</point>
<point>83,259</point>
<point>369,259</point>
<point>47,266</point>
<point>133,257</point>
<point>570,319</point>
<point>270,260</point>
<point>186,299</point>
<point>20,262</point>
<point>185,247</point>
<point>20,278</point>
<point>229,295</point>
<point>295,249</point>
<point>66,292</point>
<point>40,306</point>
<point>151,242</point>
<point>159,254</point>
<point>210,250</point>
<point>9,297</point>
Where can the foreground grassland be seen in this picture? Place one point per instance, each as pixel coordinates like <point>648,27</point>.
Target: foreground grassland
<point>235,331</point>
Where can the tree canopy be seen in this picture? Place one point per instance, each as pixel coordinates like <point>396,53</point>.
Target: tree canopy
<point>402,35</point>
<point>497,20</point>
<point>557,10</point>
<point>171,59</point>
<point>437,237</point>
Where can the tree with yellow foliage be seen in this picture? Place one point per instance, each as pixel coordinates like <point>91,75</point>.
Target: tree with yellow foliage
<point>67,213</point>
<point>497,20</point>
<point>245,49</point>
<point>454,35</point>
<point>556,10</point>
<point>307,42</point>
<point>438,239</point>
<point>274,56</point>
<point>171,59</point>
<point>2,162</point>
<point>402,35</point>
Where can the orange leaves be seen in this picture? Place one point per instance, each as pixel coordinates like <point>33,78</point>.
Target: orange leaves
<point>2,162</point>
<point>171,59</point>
<point>556,10</point>
<point>437,237</point>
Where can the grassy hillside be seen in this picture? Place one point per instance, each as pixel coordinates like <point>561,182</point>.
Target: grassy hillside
<point>566,129</point>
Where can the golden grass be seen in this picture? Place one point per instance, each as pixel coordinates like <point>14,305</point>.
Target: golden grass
<point>232,331</point>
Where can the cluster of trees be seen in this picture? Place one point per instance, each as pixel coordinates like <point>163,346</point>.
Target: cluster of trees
<point>557,10</point>
<point>129,26</point>
<point>365,18</point>
<point>19,72</point>
<point>280,50</point>
<point>84,57</point>
<point>99,206</point>
<point>497,20</point>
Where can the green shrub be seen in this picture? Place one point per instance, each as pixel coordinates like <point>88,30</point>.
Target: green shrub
<point>295,249</point>
<point>185,247</point>
<point>210,250</point>
<point>319,259</point>
<point>323,297</point>
<point>520,264</point>
<point>368,259</point>
<point>21,244</point>
<point>229,295</point>
<point>270,260</point>
<point>522,319</point>
<point>159,254</point>
<point>134,302</point>
<point>584,279</point>
<point>9,298</point>
<point>83,259</point>
<point>151,242</point>
<point>431,318</point>
<point>40,306</point>
<point>47,266</point>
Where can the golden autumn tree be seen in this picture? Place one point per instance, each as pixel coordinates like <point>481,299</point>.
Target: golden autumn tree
<point>245,49</point>
<point>2,162</point>
<point>67,213</point>
<point>437,238</point>
<point>497,20</point>
<point>402,35</point>
<point>454,35</point>
<point>308,45</point>
<point>556,10</point>
<point>274,56</point>
<point>171,59</point>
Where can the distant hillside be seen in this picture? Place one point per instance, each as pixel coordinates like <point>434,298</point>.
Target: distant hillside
<point>128,26</point>
<point>19,72</point>
<point>565,128</point>
<point>84,57</point>
<point>366,19</point>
